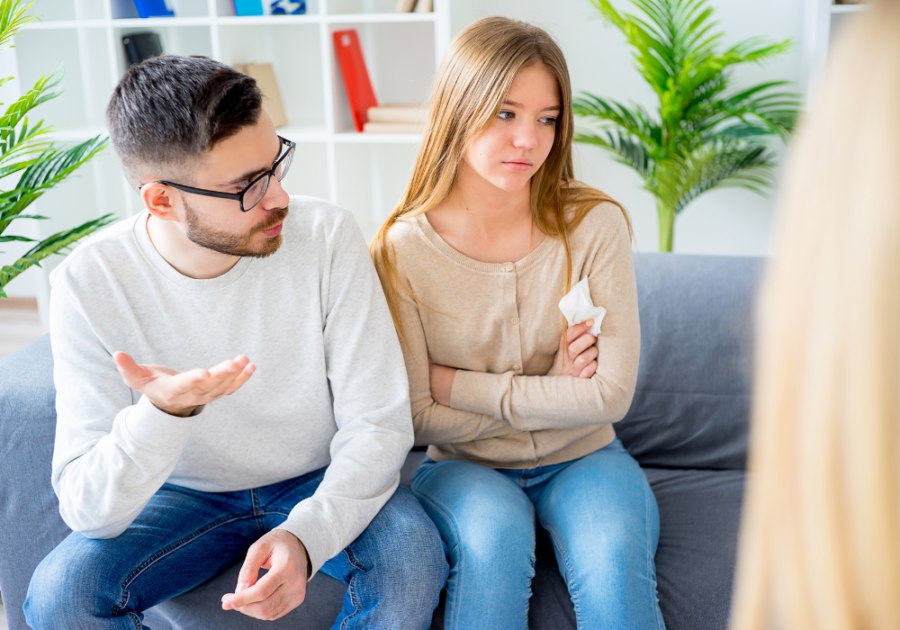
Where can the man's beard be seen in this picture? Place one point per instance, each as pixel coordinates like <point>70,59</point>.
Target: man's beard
<point>234,244</point>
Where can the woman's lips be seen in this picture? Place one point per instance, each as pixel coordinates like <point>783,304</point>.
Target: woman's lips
<point>275,231</point>
<point>518,166</point>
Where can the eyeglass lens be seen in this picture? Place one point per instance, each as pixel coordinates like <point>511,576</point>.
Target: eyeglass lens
<point>257,191</point>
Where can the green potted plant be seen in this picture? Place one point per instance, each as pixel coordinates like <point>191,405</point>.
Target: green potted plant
<point>704,134</point>
<point>32,162</point>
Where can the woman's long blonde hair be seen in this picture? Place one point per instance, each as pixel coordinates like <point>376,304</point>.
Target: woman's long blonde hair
<point>820,544</point>
<point>469,89</point>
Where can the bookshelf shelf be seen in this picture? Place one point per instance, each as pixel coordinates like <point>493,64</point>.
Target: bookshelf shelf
<point>51,25</point>
<point>378,138</point>
<point>380,18</point>
<point>162,22</point>
<point>266,20</point>
<point>365,173</point>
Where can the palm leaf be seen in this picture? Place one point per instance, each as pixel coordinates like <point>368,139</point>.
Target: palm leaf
<point>703,134</point>
<point>52,167</point>
<point>12,18</point>
<point>54,244</point>
<point>626,150</point>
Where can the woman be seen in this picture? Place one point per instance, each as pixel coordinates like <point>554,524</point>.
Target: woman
<point>490,233</point>
<point>821,533</point>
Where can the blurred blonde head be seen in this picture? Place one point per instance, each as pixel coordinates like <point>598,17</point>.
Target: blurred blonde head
<point>471,84</point>
<point>820,542</point>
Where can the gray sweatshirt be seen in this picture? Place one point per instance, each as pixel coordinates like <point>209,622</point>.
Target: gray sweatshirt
<point>330,387</point>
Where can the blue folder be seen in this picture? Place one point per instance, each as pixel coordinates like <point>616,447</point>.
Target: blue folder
<point>153,8</point>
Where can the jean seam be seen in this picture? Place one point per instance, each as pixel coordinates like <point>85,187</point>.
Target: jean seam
<point>257,512</point>
<point>159,555</point>
<point>455,527</point>
<point>137,621</point>
<point>651,569</point>
<point>354,600</point>
<point>570,579</point>
<point>354,560</point>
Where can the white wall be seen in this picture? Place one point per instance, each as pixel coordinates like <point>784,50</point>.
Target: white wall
<point>728,221</point>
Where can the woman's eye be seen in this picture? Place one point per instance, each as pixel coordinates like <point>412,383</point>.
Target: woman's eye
<point>504,115</point>
<point>548,120</point>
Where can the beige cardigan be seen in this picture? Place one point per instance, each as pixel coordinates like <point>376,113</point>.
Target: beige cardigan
<point>500,325</point>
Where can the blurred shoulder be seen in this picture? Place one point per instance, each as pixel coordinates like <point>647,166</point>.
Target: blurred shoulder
<point>406,233</point>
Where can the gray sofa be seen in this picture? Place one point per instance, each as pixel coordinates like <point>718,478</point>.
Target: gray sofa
<point>687,427</point>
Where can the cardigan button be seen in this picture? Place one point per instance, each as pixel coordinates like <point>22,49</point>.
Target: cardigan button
<point>514,321</point>
<point>517,368</point>
<point>507,267</point>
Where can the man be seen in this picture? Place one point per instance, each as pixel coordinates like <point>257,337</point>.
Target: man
<point>168,473</point>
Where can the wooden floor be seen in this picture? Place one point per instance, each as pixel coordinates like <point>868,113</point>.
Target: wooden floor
<point>19,326</point>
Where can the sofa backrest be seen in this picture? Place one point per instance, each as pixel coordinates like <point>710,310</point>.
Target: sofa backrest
<point>692,404</point>
<point>29,510</point>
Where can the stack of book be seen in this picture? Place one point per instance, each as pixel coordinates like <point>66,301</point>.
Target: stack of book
<point>368,115</point>
<point>419,6</point>
<point>396,119</point>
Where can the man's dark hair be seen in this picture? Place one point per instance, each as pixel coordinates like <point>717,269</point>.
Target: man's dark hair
<point>169,110</point>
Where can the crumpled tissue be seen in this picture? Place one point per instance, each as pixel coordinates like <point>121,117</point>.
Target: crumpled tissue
<point>578,307</point>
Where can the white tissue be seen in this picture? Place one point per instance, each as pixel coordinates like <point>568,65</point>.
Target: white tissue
<point>578,307</point>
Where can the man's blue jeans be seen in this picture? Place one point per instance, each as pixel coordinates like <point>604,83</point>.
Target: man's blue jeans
<point>602,519</point>
<point>395,569</point>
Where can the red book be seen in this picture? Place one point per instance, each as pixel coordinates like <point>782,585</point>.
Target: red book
<point>356,77</point>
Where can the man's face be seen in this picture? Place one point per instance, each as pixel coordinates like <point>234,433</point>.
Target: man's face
<point>219,224</point>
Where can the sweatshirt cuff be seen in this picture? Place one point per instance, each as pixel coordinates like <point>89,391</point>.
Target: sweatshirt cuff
<point>316,533</point>
<point>148,426</point>
<point>477,392</point>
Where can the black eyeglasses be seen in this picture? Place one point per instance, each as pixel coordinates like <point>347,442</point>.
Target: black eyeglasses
<point>255,190</point>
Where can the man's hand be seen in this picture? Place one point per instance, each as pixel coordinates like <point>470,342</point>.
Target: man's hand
<point>441,381</point>
<point>280,590</point>
<point>577,355</point>
<point>179,393</point>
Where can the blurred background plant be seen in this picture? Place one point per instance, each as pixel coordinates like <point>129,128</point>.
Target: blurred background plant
<point>704,135</point>
<point>32,162</point>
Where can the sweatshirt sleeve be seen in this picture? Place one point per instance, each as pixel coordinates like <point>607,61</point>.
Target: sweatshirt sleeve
<point>371,403</point>
<point>534,403</point>
<point>111,453</point>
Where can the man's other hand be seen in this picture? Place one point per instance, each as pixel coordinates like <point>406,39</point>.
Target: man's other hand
<point>180,393</point>
<point>280,590</point>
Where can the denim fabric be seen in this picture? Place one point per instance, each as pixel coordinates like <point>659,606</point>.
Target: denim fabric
<point>395,569</point>
<point>603,524</point>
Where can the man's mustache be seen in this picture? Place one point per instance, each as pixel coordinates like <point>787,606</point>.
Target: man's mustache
<point>277,217</point>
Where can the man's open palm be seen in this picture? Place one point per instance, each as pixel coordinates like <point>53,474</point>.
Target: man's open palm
<point>179,393</point>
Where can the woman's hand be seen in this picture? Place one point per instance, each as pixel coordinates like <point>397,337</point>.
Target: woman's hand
<point>577,355</point>
<point>441,383</point>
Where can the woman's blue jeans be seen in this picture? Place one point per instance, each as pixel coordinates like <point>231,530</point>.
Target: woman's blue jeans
<point>602,519</point>
<point>395,569</point>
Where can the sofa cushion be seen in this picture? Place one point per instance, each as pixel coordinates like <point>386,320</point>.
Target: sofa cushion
<point>699,518</point>
<point>29,509</point>
<point>692,403</point>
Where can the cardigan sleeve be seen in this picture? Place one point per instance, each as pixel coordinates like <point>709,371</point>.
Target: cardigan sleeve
<point>533,403</point>
<point>435,423</point>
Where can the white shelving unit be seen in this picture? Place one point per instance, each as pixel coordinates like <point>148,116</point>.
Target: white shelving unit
<point>824,20</point>
<point>362,172</point>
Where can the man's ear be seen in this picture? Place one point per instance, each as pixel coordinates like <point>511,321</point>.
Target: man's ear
<point>158,199</point>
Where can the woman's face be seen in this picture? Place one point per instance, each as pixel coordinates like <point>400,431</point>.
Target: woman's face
<point>516,144</point>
